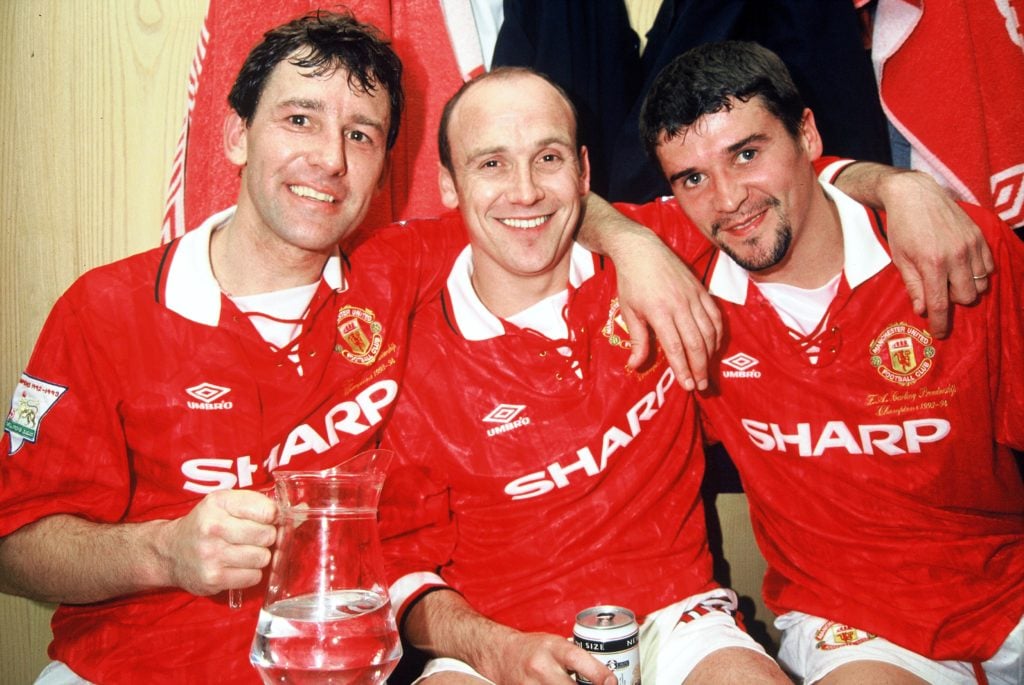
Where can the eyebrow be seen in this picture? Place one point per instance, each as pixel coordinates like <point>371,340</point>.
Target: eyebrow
<point>732,149</point>
<point>318,106</point>
<point>375,124</point>
<point>302,103</point>
<point>483,152</point>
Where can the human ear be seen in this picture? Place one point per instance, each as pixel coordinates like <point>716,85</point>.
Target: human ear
<point>235,137</point>
<point>584,162</point>
<point>449,195</point>
<point>810,138</point>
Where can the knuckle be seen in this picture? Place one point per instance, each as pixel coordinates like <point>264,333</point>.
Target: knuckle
<point>695,346</point>
<point>672,347</point>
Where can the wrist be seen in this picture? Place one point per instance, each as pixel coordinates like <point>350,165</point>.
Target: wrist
<point>154,558</point>
<point>897,184</point>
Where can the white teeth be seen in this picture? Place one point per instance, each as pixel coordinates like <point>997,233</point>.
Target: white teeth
<point>304,191</point>
<point>525,223</point>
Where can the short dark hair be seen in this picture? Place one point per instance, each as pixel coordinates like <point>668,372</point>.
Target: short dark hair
<point>444,146</point>
<point>323,41</point>
<point>703,79</point>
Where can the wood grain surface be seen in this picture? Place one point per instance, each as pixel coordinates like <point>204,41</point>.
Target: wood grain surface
<point>92,99</point>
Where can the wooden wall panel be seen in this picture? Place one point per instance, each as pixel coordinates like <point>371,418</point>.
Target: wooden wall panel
<point>92,98</point>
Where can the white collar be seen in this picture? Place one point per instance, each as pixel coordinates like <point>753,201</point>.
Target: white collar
<point>190,288</point>
<point>863,253</point>
<point>474,320</point>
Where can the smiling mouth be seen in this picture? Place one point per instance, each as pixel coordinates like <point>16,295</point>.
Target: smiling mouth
<point>309,193</point>
<point>525,223</point>
<point>741,225</point>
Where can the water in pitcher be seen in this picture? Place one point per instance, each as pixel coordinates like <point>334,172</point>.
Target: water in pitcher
<point>345,637</point>
<point>326,616</point>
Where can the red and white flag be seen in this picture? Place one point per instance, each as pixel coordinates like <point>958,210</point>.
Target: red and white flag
<point>951,77</point>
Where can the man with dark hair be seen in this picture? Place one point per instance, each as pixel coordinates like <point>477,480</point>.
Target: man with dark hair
<point>321,44</point>
<point>875,457</point>
<point>167,383</point>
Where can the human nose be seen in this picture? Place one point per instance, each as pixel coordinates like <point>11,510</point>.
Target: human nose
<point>328,153</point>
<point>525,189</point>
<point>729,193</point>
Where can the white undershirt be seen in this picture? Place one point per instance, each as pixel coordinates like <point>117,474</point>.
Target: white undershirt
<point>289,305</point>
<point>800,308</point>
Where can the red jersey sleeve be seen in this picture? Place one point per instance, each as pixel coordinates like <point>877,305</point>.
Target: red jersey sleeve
<point>63,449</point>
<point>417,532</point>
<point>417,254</point>
<point>829,168</point>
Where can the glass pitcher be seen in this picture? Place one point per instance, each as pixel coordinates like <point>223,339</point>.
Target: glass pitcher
<point>326,617</point>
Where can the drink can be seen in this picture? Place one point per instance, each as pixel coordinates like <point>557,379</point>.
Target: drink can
<point>612,635</point>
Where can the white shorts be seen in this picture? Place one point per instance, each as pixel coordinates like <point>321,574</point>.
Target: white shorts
<point>812,647</point>
<point>672,640</point>
<point>58,673</point>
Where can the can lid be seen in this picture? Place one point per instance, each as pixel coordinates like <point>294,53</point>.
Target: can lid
<point>605,617</point>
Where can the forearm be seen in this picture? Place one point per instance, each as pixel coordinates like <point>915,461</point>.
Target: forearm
<point>69,560</point>
<point>879,185</point>
<point>607,231</point>
<point>443,624</point>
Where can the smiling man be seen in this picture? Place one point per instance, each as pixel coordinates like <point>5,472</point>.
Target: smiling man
<point>169,385</point>
<point>875,456</point>
<point>538,475</point>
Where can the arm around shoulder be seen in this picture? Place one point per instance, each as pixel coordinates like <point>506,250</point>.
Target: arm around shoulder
<point>656,290</point>
<point>938,250</point>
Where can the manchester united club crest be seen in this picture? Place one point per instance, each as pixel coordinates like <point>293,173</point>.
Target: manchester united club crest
<point>902,353</point>
<point>615,328</point>
<point>834,635</point>
<point>359,335</point>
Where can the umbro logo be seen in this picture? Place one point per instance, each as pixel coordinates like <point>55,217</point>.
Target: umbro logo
<point>208,394</point>
<point>504,413</point>
<point>507,415</point>
<point>740,365</point>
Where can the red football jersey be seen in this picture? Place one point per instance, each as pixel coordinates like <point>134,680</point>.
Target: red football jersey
<point>539,476</point>
<point>148,389</point>
<point>881,488</point>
